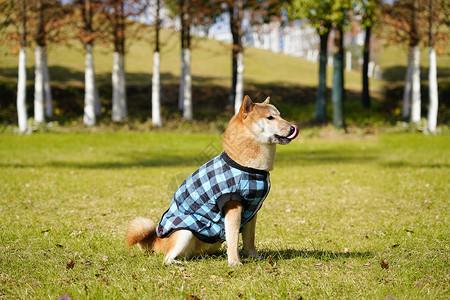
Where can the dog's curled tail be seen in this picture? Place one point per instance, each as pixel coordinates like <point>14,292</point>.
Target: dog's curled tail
<point>141,231</point>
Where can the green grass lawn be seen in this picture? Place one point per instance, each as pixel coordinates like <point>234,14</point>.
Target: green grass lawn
<point>337,208</point>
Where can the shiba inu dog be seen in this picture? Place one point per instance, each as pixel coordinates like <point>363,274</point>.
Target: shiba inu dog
<point>221,198</point>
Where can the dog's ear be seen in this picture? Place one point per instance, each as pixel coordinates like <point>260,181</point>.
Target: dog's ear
<point>247,106</point>
<point>267,100</point>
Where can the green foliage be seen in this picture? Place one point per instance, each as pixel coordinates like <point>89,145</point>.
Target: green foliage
<point>321,14</point>
<point>317,13</point>
<point>337,210</point>
<point>367,10</point>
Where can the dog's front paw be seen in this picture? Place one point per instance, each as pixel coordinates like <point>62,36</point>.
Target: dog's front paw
<point>171,261</point>
<point>232,263</point>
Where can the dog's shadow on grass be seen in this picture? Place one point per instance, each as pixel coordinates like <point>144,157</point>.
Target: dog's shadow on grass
<point>286,254</point>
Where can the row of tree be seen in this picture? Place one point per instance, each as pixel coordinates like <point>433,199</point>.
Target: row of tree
<point>412,22</point>
<point>49,21</point>
<point>108,20</point>
<point>405,21</point>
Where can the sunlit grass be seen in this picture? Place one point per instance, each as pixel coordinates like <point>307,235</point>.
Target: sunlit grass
<point>337,208</point>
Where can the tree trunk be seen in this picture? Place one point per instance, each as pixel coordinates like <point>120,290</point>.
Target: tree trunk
<point>406,110</point>
<point>156,87</point>
<point>365,76</point>
<point>337,90</point>
<point>415,72</point>
<point>432,76</point>
<point>123,87</point>
<point>433,92</point>
<point>321,101</point>
<point>47,87</point>
<point>348,61</point>
<point>22,92</point>
<point>97,104</point>
<point>119,97</point>
<point>89,89</point>
<point>185,91</point>
<point>415,77</point>
<point>235,10</point>
<point>187,86</point>
<point>115,77</point>
<point>232,95</point>
<point>38,86</point>
<point>119,102</point>
<point>239,82</point>
<point>156,110</point>
<point>22,115</point>
<point>181,85</point>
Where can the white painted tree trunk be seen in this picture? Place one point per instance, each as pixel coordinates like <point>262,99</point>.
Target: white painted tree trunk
<point>123,88</point>
<point>38,86</point>
<point>181,88</point>
<point>415,77</point>
<point>407,89</point>
<point>97,104</point>
<point>239,82</point>
<point>22,92</point>
<point>433,92</point>
<point>348,61</point>
<point>156,104</point>
<point>187,86</point>
<point>89,90</point>
<point>47,88</point>
<point>119,103</point>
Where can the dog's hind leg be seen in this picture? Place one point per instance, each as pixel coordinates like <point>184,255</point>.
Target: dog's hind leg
<point>180,243</point>
<point>233,212</point>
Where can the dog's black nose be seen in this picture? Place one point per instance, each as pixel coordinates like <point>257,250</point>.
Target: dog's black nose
<point>291,131</point>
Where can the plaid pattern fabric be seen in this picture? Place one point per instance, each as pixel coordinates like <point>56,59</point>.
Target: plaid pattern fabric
<point>197,204</point>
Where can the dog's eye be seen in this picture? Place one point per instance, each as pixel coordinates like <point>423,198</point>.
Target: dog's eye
<point>270,118</point>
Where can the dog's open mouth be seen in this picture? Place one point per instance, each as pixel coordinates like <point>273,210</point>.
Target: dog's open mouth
<point>293,133</point>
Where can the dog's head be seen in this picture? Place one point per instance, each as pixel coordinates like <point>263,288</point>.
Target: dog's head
<point>264,122</point>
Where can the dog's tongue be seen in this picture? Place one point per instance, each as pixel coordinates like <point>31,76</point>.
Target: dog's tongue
<point>294,134</point>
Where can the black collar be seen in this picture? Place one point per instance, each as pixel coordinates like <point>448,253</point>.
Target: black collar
<point>234,164</point>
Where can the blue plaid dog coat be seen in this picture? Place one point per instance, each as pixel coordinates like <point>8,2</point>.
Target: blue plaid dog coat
<point>197,204</point>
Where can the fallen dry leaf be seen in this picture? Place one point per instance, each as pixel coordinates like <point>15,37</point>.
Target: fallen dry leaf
<point>186,275</point>
<point>70,264</point>
<point>37,283</point>
<point>192,298</point>
<point>417,284</point>
<point>384,264</point>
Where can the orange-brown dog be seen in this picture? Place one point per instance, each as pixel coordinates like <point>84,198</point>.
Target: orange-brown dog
<point>221,198</point>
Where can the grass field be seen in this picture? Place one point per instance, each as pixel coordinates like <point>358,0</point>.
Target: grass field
<point>347,218</point>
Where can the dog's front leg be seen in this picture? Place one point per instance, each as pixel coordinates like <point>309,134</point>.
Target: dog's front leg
<point>248,238</point>
<point>233,211</point>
